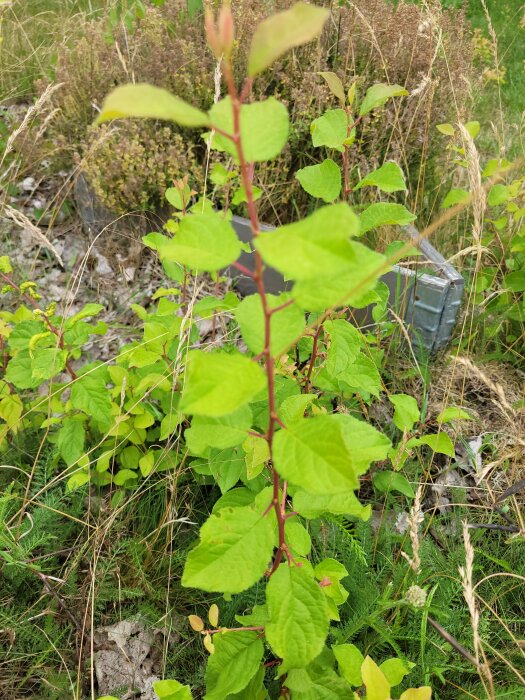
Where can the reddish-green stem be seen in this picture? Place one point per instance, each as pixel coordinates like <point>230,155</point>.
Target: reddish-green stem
<point>258,277</point>
<point>234,629</point>
<point>312,359</point>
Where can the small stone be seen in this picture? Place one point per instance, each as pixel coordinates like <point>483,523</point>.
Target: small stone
<point>29,184</point>
<point>129,273</point>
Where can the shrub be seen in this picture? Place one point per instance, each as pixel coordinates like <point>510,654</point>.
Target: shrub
<point>426,50</point>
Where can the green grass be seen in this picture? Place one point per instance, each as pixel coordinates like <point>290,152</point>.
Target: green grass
<point>30,32</point>
<point>134,572</point>
<point>502,103</point>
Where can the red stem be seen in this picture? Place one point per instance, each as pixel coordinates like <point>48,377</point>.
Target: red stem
<point>234,629</point>
<point>245,271</point>
<point>281,306</point>
<point>246,176</point>
<point>312,359</point>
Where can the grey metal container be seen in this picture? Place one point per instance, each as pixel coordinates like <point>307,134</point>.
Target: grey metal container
<point>427,303</point>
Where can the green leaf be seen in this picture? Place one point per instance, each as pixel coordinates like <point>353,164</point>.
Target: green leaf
<point>226,467</point>
<point>5,264</point>
<point>312,506</point>
<point>19,371</point>
<point>377,686</point>
<point>218,383</point>
<point>125,477</point>
<point>286,325</point>
<point>364,443</point>
<point>330,130</point>
<point>234,499</point>
<point>298,538</point>
<point>423,693</point>
<point>240,196</point>
<point>203,242</point>
<point>394,671</point>
<point>384,214</point>
<point>377,95</point>
<point>78,479</point>
<point>146,101</point>
<point>21,335</point>
<point>322,180</point>
<point>451,413</point>
<point>329,573</point>
<point>257,454</point>
<point>89,394</point>
<point>345,343</point>
<point>318,244</point>
<point>325,455</point>
<point>293,408</point>
<point>297,623</point>
<point>360,376</point>
<point>11,409</point>
<point>264,128</point>
<point>129,457</point>
<point>334,83</point>
<point>386,481</point>
<point>208,306</point>
<point>494,165</point>
<point>283,31</point>
<point>88,311</point>
<point>221,432</point>
<point>48,362</point>
<point>166,690</point>
<point>349,661</point>
<point>254,690</point>
<point>446,129</point>
<point>169,424</point>
<point>406,412</point>
<point>359,275</point>
<point>317,682</point>
<point>515,281</point>
<point>71,437</point>
<point>172,690</point>
<point>388,178</point>
<point>313,454</point>
<point>236,661</point>
<point>455,197</point>
<point>439,443</point>
<point>499,194</point>
<point>473,128</point>
<point>235,547</point>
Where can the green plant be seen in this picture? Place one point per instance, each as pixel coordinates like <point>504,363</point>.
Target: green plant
<point>497,275</point>
<point>377,43</point>
<point>102,436</point>
<point>251,417</point>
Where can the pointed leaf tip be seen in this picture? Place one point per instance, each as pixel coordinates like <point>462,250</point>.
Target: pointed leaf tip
<point>149,102</point>
<point>283,31</point>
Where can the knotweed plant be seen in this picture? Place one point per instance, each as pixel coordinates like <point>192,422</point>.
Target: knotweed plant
<point>301,460</point>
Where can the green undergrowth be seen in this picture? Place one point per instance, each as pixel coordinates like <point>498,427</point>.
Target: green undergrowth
<point>111,470</point>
